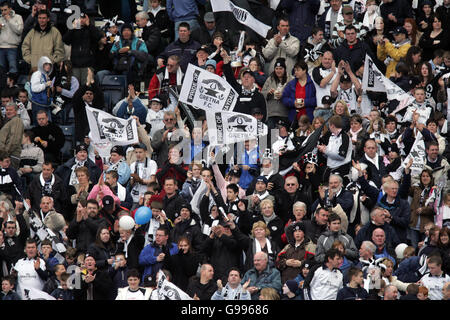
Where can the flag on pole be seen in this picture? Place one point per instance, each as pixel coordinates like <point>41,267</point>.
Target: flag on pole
<point>205,90</point>
<point>109,130</point>
<point>230,127</point>
<point>242,16</point>
<point>374,80</point>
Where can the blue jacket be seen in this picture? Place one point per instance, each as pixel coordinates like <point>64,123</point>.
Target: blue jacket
<point>408,270</point>
<point>288,97</point>
<point>269,278</point>
<point>365,233</point>
<point>139,110</point>
<point>59,293</point>
<point>302,16</point>
<point>11,295</point>
<point>148,256</point>
<point>183,10</point>
<point>251,160</point>
<point>400,212</point>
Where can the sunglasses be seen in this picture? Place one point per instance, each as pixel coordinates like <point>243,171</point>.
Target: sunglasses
<point>169,119</point>
<point>290,184</point>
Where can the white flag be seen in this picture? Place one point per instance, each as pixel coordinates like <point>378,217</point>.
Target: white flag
<point>205,90</point>
<point>241,15</point>
<point>374,80</point>
<point>35,294</point>
<point>167,290</point>
<point>106,128</point>
<point>230,127</point>
<point>418,154</point>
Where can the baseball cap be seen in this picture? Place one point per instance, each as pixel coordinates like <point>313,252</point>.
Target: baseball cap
<point>247,70</point>
<point>256,110</point>
<point>209,17</point>
<point>262,179</point>
<point>108,202</point>
<point>235,173</point>
<point>327,100</point>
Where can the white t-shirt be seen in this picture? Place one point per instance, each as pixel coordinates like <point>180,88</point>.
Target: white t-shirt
<point>27,277</point>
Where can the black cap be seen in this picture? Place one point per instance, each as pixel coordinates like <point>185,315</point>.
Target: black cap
<point>203,48</point>
<point>400,30</point>
<point>235,173</point>
<point>298,226</point>
<point>256,110</point>
<point>81,147</point>
<point>282,123</point>
<point>186,206</point>
<point>82,14</point>
<point>345,78</point>
<point>280,62</point>
<point>247,70</point>
<point>327,100</point>
<point>108,202</point>
<point>127,26</point>
<point>262,179</point>
<point>394,148</point>
<point>118,149</point>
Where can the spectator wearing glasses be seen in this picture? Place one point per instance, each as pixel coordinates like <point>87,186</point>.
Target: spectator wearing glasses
<point>164,137</point>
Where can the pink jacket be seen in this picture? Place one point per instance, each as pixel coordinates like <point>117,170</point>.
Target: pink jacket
<point>106,192</point>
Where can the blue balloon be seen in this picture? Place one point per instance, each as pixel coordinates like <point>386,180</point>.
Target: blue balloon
<point>143,215</point>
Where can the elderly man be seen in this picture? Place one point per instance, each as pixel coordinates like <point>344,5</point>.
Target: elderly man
<point>11,135</point>
<point>203,287</point>
<point>384,250</point>
<point>377,220</point>
<point>398,211</point>
<point>336,197</point>
<point>261,276</point>
<point>366,256</point>
<point>330,17</point>
<point>148,32</point>
<point>285,198</point>
<point>375,164</point>
<point>282,45</point>
<point>390,292</point>
<point>164,137</point>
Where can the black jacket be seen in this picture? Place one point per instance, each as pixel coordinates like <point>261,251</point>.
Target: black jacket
<point>354,55</point>
<point>348,293</point>
<point>84,42</point>
<point>189,229</point>
<point>53,134</point>
<point>185,50</point>
<point>172,206</point>
<point>13,247</point>
<point>79,109</point>
<point>35,190</point>
<point>284,203</point>
<point>203,291</point>
<point>64,171</point>
<point>133,251</point>
<point>152,38</point>
<point>313,230</point>
<point>183,267</point>
<point>101,254</point>
<point>257,100</point>
<point>84,232</point>
<point>102,287</point>
<point>375,174</point>
<point>223,253</point>
<point>276,227</point>
<point>365,233</point>
<point>401,9</point>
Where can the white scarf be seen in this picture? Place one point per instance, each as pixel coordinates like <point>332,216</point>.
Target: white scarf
<point>125,245</point>
<point>41,179</point>
<point>369,19</point>
<point>153,226</point>
<point>373,161</point>
<point>121,192</point>
<point>179,76</point>
<point>268,245</point>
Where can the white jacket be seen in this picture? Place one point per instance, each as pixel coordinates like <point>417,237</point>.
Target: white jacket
<point>140,294</point>
<point>11,32</point>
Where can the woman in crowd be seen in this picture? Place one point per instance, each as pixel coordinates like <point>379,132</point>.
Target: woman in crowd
<point>435,38</point>
<point>103,249</point>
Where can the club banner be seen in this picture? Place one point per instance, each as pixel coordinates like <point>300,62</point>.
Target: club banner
<point>108,128</point>
<point>231,127</point>
<point>242,16</point>
<point>418,154</point>
<point>374,80</point>
<point>168,291</point>
<point>205,90</point>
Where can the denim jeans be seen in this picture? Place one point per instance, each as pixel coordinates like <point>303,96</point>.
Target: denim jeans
<point>8,57</point>
<point>192,23</point>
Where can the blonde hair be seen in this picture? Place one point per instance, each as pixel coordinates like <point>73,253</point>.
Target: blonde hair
<point>270,293</point>
<point>346,112</point>
<point>260,224</point>
<point>380,125</point>
<point>265,202</point>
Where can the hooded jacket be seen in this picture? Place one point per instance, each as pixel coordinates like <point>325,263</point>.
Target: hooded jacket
<point>38,43</point>
<point>302,252</point>
<point>11,32</point>
<point>327,239</point>
<point>40,92</point>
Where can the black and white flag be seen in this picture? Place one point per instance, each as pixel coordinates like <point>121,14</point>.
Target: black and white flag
<point>205,90</point>
<point>168,291</point>
<point>108,130</point>
<point>374,80</point>
<point>242,15</point>
<point>231,127</point>
<point>418,155</point>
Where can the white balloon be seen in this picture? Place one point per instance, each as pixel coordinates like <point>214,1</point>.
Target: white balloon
<point>126,222</point>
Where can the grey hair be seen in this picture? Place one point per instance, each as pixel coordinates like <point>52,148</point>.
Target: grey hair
<point>143,15</point>
<point>299,204</point>
<point>11,104</point>
<point>266,257</point>
<point>338,176</point>
<point>374,211</point>
<point>369,246</point>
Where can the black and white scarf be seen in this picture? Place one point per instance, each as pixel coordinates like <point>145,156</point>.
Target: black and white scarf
<point>73,175</point>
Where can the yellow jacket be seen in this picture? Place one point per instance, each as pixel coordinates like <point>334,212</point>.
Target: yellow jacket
<point>395,53</point>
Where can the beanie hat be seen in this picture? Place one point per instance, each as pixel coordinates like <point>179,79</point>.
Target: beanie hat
<point>292,285</point>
